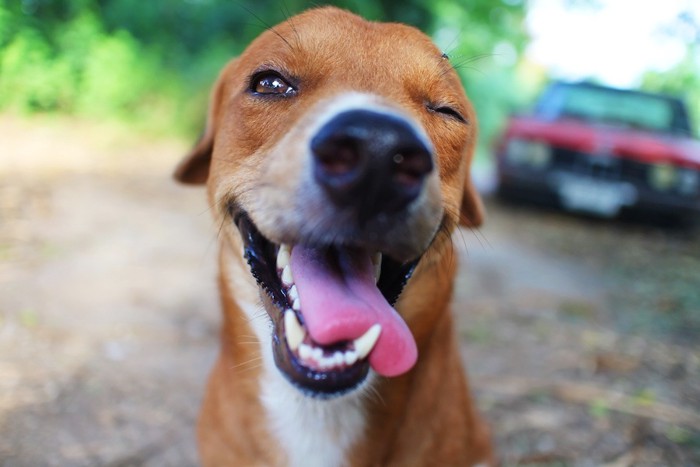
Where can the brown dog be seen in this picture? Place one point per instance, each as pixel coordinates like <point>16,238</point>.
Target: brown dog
<point>336,157</point>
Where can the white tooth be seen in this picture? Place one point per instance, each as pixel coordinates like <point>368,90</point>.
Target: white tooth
<point>283,256</point>
<point>350,357</point>
<point>305,351</point>
<point>338,358</point>
<point>287,278</point>
<point>293,330</point>
<point>296,304</point>
<point>317,354</point>
<point>293,293</point>
<point>365,343</point>
<point>377,261</point>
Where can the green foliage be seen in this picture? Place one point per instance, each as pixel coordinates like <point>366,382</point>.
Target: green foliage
<point>26,73</point>
<point>475,34</point>
<point>153,62</point>
<point>115,77</point>
<point>682,80</point>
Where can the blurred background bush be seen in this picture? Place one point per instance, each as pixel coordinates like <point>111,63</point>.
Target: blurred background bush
<point>151,63</point>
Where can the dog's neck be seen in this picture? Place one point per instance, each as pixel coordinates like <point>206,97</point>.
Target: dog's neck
<point>313,432</point>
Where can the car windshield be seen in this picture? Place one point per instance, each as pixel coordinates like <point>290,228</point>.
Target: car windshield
<point>598,104</point>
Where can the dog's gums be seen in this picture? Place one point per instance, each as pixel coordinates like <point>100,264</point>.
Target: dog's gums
<point>340,360</point>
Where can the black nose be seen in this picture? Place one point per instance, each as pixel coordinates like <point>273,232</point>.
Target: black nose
<point>372,162</point>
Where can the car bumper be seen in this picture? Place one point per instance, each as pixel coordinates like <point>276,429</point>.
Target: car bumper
<point>584,192</point>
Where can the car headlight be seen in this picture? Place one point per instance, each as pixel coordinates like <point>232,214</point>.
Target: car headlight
<point>665,177</point>
<point>529,153</point>
<point>688,181</point>
<point>662,177</point>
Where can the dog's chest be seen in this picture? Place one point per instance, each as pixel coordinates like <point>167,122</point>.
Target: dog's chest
<point>313,433</point>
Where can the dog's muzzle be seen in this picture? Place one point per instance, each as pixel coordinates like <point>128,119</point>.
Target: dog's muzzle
<point>330,290</point>
<point>370,162</point>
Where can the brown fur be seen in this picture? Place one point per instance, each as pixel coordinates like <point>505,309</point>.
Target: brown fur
<point>424,417</point>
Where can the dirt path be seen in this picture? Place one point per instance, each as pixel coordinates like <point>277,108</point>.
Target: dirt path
<point>581,337</point>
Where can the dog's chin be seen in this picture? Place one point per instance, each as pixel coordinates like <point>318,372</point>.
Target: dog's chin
<point>318,370</point>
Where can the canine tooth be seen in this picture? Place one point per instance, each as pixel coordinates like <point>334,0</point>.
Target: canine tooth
<point>296,304</point>
<point>365,343</point>
<point>305,351</point>
<point>377,261</point>
<point>293,330</point>
<point>287,278</point>
<point>293,293</point>
<point>350,357</point>
<point>283,256</point>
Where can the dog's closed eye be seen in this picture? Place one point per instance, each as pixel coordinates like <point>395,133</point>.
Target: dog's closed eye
<point>447,111</point>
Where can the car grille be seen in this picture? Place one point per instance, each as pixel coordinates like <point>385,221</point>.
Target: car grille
<point>599,166</point>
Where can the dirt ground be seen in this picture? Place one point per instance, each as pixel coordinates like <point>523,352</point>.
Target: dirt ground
<point>581,337</point>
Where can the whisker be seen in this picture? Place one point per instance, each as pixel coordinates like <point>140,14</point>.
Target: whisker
<point>288,16</point>
<point>462,64</point>
<point>249,336</point>
<point>267,26</point>
<point>255,361</point>
<point>373,394</point>
<point>256,316</point>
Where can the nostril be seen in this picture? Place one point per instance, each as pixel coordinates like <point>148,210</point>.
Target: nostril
<point>337,164</point>
<point>411,166</point>
<point>337,158</point>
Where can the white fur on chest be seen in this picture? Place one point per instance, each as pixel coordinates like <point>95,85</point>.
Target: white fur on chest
<point>312,432</point>
<point>315,433</point>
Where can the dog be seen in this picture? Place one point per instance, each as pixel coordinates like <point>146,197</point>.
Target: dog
<point>336,157</point>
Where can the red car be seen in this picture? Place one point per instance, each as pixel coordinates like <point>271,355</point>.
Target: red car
<point>603,151</point>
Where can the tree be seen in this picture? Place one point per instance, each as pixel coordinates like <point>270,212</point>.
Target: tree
<point>99,57</point>
<point>684,78</point>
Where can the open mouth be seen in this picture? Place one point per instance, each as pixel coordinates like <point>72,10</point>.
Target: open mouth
<point>332,312</point>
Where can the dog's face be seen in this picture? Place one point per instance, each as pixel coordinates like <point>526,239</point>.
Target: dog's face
<point>336,149</point>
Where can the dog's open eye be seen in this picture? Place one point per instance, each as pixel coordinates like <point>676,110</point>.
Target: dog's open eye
<point>447,111</point>
<point>269,83</point>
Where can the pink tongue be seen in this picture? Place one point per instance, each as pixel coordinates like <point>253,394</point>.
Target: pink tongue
<point>340,302</point>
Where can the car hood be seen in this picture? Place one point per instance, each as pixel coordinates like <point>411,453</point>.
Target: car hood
<point>609,140</point>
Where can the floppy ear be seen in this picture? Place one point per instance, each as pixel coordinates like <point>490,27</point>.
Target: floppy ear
<point>472,210</point>
<point>194,168</point>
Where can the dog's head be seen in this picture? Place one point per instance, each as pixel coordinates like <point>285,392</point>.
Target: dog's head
<point>335,151</point>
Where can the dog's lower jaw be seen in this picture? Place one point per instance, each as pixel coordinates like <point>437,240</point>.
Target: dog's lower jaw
<point>312,432</point>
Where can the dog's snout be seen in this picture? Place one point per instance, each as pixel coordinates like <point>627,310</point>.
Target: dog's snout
<point>371,161</point>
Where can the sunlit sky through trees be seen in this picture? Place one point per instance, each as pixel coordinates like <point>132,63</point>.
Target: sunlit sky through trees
<point>614,41</point>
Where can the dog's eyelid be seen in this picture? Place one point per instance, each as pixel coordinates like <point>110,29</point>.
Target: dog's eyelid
<point>448,111</point>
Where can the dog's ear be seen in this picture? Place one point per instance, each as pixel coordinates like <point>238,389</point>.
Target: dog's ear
<point>472,211</point>
<point>194,168</point>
